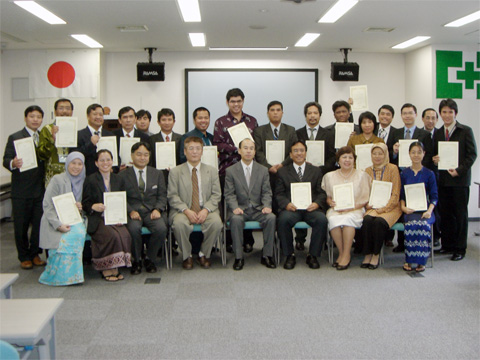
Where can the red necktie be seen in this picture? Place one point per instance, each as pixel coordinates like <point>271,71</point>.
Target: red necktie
<point>167,138</point>
<point>447,135</point>
<point>128,135</point>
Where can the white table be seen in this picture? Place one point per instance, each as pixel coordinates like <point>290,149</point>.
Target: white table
<point>30,322</point>
<point>6,281</point>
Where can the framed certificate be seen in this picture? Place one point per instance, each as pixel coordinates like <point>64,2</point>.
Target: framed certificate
<point>115,207</point>
<point>364,156</point>
<point>316,152</point>
<point>165,155</point>
<point>126,144</point>
<point>66,209</point>
<point>342,133</point>
<point>403,156</point>
<point>301,194</point>
<point>343,196</point>
<point>275,151</point>
<point>109,143</point>
<point>238,133</point>
<point>67,132</point>
<point>416,197</point>
<point>25,150</point>
<point>380,194</point>
<point>210,156</point>
<point>359,95</point>
<point>448,153</point>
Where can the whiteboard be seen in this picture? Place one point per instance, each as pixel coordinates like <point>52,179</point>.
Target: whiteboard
<point>208,88</point>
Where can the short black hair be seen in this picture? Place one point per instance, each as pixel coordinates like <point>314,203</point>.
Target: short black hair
<point>62,100</point>
<point>124,110</point>
<point>387,107</point>
<point>165,112</point>
<point>416,143</point>
<point>299,142</point>
<point>340,103</point>
<point>92,107</point>
<point>408,105</point>
<point>33,108</point>
<point>137,145</point>
<point>368,115</point>
<point>312,103</point>
<point>274,102</point>
<point>345,150</point>
<point>141,113</point>
<point>234,93</point>
<point>240,144</point>
<point>449,103</point>
<point>190,139</point>
<point>429,109</point>
<point>101,151</point>
<point>201,108</point>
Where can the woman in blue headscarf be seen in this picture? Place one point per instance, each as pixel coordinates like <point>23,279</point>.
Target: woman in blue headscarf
<point>65,242</point>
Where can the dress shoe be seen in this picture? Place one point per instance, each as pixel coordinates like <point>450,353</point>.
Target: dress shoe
<point>443,251</point>
<point>398,249</point>
<point>373,267</point>
<point>365,265</point>
<point>238,264</point>
<point>26,265</point>
<point>268,262</point>
<point>457,257</point>
<point>335,264</point>
<point>188,263</point>
<point>312,262</point>
<point>150,266</point>
<point>247,248</point>
<point>300,246</point>
<point>290,262</point>
<point>343,267</point>
<point>136,268</point>
<point>38,262</point>
<point>436,242</point>
<point>230,248</point>
<point>204,262</point>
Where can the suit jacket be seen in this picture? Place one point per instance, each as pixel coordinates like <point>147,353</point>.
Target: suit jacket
<point>136,133</point>
<point>180,189</point>
<point>154,196</point>
<point>390,139</point>
<point>325,135</point>
<point>288,175</point>
<point>159,138</point>
<point>86,147</point>
<point>263,133</point>
<point>239,195</point>
<point>93,189</point>
<point>27,184</point>
<point>467,153</point>
<point>421,135</point>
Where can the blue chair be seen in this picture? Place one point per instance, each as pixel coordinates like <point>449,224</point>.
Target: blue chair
<point>8,352</point>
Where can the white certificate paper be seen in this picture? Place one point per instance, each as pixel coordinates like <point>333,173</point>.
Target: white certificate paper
<point>448,153</point>
<point>126,144</point>
<point>210,156</point>
<point>343,196</point>
<point>403,155</point>
<point>342,133</point>
<point>416,197</point>
<point>275,151</point>
<point>364,156</point>
<point>316,152</point>
<point>67,132</point>
<point>165,155</point>
<point>238,133</point>
<point>25,150</point>
<point>359,95</point>
<point>380,194</point>
<point>301,194</point>
<point>66,209</point>
<point>115,207</point>
<point>109,143</point>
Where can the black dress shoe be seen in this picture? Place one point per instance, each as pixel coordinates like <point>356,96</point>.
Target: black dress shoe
<point>398,249</point>
<point>443,251</point>
<point>238,264</point>
<point>373,267</point>
<point>150,266</point>
<point>457,257</point>
<point>343,267</point>
<point>247,248</point>
<point>136,268</point>
<point>230,248</point>
<point>312,262</point>
<point>300,246</point>
<point>268,262</point>
<point>365,265</point>
<point>290,262</point>
<point>335,264</point>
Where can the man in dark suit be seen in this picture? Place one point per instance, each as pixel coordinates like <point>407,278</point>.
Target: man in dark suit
<point>289,214</point>
<point>201,120</point>
<point>146,206</point>
<point>27,191</point>
<point>249,198</point>
<point>385,130</point>
<point>166,121</point>
<point>341,113</point>
<point>454,184</point>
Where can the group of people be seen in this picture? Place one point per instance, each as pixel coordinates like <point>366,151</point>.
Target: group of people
<point>252,189</point>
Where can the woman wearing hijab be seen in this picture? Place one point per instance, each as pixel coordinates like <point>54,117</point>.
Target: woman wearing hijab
<point>378,221</point>
<point>65,242</point>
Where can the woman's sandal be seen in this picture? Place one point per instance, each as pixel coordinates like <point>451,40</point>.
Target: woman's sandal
<point>119,275</point>
<point>407,267</point>
<point>420,268</point>
<point>110,278</point>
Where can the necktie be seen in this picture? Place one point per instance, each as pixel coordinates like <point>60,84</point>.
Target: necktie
<point>96,133</point>
<point>382,133</point>
<point>167,139</point>
<point>311,134</point>
<point>35,138</point>
<point>447,135</point>
<point>247,176</point>
<point>275,134</point>
<point>300,176</point>
<point>408,136</point>
<point>141,182</point>
<point>195,195</point>
<point>128,135</point>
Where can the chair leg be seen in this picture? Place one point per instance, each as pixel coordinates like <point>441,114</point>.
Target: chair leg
<point>431,250</point>
<point>223,248</point>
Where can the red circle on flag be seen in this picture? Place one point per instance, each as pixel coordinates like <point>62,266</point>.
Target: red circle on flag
<point>61,74</point>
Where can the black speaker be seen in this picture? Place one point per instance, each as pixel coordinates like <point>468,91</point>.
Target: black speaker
<point>344,71</point>
<point>151,71</point>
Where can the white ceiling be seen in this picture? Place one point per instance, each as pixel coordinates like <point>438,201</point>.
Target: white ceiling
<point>228,23</point>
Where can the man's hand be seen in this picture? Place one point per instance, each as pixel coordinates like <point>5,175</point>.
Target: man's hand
<point>94,139</point>
<point>291,207</point>
<point>453,172</point>
<point>98,207</point>
<point>134,215</point>
<point>266,210</point>
<point>191,216</point>
<point>312,207</point>
<point>275,168</point>
<point>155,214</point>
<point>436,159</point>
<point>79,206</point>
<point>17,163</point>
<point>238,211</point>
<point>64,228</point>
<point>202,216</point>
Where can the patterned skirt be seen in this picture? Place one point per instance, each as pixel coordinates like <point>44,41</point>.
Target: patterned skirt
<point>418,237</point>
<point>111,247</point>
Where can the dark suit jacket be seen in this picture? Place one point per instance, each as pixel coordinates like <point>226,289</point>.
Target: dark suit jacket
<point>159,138</point>
<point>288,175</point>
<point>137,133</point>
<point>93,189</point>
<point>390,140</point>
<point>467,153</point>
<point>325,135</point>
<point>27,184</point>
<point>421,135</point>
<point>264,133</point>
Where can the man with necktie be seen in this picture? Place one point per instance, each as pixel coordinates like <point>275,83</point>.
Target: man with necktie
<point>166,121</point>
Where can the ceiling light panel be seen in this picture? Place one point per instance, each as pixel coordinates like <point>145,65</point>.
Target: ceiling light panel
<point>248,49</point>
<point>190,10</point>
<point>307,39</point>
<point>39,11</point>
<point>465,20</point>
<point>337,11</point>
<point>87,40</point>
<point>197,39</point>
<point>411,42</point>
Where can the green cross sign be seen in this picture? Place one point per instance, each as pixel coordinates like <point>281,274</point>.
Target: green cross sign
<point>469,75</point>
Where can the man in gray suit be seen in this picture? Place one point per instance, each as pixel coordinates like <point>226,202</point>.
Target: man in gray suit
<point>249,198</point>
<point>193,194</point>
<point>146,206</point>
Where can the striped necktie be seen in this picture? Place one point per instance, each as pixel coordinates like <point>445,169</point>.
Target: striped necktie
<point>408,136</point>
<point>312,137</point>
<point>195,192</point>
<point>141,182</point>
<point>300,176</point>
<point>275,134</point>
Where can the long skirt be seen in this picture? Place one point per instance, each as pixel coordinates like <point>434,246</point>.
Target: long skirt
<point>64,264</point>
<point>418,237</point>
<point>111,247</point>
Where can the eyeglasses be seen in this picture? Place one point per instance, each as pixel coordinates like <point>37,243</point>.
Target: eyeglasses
<point>194,148</point>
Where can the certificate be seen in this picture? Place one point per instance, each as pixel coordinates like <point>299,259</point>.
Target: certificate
<point>165,155</point>
<point>380,194</point>
<point>115,207</point>
<point>342,133</point>
<point>364,156</point>
<point>67,132</point>
<point>126,144</point>
<point>238,133</point>
<point>448,153</point>
<point>109,143</point>
<point>275,151</point>
<point>416,197</point>
<point>343,196</point>
<point>210,156</point>
<point>403,155</point>
<point>316,152</point>
<point>301,194</point>
<point>66,209</point>
<point>25,150</point>
<point>359,95</point>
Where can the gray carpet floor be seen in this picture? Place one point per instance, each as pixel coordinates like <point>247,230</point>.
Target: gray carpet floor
<point>260,313</point>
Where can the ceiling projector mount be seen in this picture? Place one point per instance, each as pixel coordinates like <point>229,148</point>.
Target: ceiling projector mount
<point>151,71</point>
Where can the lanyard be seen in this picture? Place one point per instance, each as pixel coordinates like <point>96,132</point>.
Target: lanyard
<point>375,173</point>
